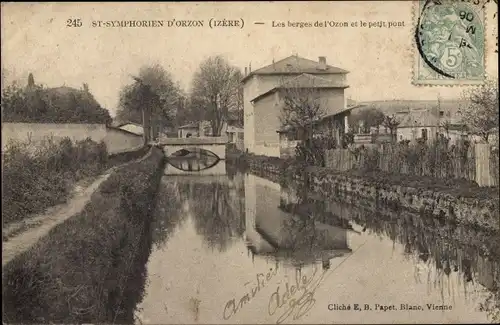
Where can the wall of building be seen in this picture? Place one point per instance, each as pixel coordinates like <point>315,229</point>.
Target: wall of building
<point>413,133</point>
<point>37,132</point>
<point>339,80</point>
<point>255,86</point>
<point>334,100</point>
<point>118,141</point>
<point>267,122</point>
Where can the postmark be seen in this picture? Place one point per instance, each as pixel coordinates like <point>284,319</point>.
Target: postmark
<point>450,43</point>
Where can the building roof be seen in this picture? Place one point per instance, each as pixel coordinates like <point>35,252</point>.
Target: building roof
<point>320,120</point>
<point>122,130</point>
<point>304,81</point>
<point>421,117</point>
<point>295,65</point>
<point>133,128</point>
<point>449,106</point>
<point>192,125</point>
<point>428,117</point>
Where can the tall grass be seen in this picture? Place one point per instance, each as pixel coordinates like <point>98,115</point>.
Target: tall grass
<point>37,177</point>
<point>91,267</point>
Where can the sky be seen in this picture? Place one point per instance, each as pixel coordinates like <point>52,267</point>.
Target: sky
<point>35,39</point>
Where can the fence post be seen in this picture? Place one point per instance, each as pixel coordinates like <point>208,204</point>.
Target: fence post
<point>483,177</point>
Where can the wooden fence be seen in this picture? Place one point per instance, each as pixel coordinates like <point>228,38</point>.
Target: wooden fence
<point>477,162</point>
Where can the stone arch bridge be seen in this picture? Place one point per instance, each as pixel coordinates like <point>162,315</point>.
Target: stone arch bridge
<point>215,145</point>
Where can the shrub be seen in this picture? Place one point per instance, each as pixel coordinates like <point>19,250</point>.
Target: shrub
<point>35,178</point>
<point>82,271</point>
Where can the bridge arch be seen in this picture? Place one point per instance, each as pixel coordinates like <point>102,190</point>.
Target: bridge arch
<point>215,145</point>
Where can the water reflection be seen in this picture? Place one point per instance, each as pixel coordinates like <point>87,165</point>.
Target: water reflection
<point>437,248</point>
<point>214,235</point>
<point>289,230</point>
<point>215,204</point>
<point>194,161</point>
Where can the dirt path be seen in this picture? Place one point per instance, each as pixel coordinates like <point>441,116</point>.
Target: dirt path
<point>22,235</point>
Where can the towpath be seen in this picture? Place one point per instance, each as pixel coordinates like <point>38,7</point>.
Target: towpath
<point>20,236</point>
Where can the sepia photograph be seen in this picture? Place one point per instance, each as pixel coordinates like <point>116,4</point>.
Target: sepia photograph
<point>294,162</point>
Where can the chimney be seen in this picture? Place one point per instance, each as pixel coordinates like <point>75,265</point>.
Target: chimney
<point>322,63</point>
<point>246,71</point>
<point>250,68</point>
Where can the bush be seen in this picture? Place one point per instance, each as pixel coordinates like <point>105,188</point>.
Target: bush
<point>37,178</point>
<point>82,271</point>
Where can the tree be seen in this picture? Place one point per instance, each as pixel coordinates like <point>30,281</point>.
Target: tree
<point>184,112</point>
<point>391,122</point>
<point>50,105</point>
<point>480,114</point>
<point>215,91</point>
<point>302,107</point>
<point>152,98</point>
<point>368,117</point>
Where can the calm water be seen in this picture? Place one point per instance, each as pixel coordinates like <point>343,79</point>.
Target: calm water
<point>237,248</point>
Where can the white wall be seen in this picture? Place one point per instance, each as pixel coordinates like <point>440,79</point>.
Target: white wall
<point>259,84</point>
<point>413,133</point>
<point>37,132</point>
<point>119,141</point>
<point>255,86</point>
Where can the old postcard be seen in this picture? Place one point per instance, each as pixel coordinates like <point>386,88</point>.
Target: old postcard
<point>250,162</point>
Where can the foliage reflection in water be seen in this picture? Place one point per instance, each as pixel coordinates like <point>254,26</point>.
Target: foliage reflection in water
<point>289,226</point>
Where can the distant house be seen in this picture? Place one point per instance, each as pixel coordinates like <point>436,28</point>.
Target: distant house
<point>263,99</point>
<point>189,130</point>
<point>131,127</point>
<point>423,119</point>
<point>123,138</point>
<point>233,133</point>
<point>204,129</point>
<point>332,126</point>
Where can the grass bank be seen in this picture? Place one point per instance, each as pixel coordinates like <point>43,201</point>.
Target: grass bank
<point>85,269</point>
<point>36,178</point>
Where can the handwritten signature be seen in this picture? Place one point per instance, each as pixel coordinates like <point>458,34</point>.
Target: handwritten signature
<point>285,301</point>
<point>232,307</point>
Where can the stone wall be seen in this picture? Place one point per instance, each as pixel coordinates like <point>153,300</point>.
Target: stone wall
<point>440,205</point>
<point>481,213</point>
<point>37,132</point>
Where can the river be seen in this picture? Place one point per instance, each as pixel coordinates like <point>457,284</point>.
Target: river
<point>233,247</point>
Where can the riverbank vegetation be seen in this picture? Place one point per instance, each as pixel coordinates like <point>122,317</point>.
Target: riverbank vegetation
<point>38,177</point>
<point>370,171</point>
<point>85,269</point>
<point>35,178</point>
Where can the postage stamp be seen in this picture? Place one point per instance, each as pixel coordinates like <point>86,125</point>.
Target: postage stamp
<point>449,42</point>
